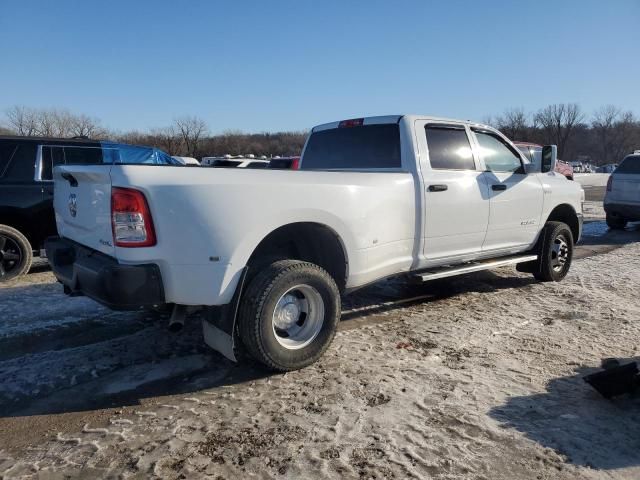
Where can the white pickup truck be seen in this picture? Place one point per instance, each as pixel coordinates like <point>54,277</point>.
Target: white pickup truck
<point>268,253</point>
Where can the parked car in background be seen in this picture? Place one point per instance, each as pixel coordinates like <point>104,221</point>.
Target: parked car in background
<point>622,199</point>
<point>609,168</point>
<point>234,162</point>
<point>26,189</point>
<point>286,163</point>
<point>533,153</point>
<point>268,253</point>
<point>186,160</point>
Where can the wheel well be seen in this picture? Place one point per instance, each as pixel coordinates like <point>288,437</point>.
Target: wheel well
<point>566,214</point>
<point>311,242</point>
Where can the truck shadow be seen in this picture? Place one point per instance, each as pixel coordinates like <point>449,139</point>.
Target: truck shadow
<point>575,421</point>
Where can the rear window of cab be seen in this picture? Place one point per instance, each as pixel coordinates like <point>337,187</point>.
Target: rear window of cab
<point>363,147</point>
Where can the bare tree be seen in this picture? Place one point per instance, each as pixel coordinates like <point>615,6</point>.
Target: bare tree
<point>168,139</point>
<point>558,122</point>
<point>604,126</point>
<point>85,126</point>
<point>514,123</point>
<point>22,120</point>
<point>191,129</point>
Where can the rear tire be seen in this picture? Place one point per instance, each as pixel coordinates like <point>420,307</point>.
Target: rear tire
<point>555,252</point>
<point>16,253</point>
<point>289,314</point>
<point>615,222</point>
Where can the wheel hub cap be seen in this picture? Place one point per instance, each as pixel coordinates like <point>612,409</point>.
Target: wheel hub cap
<point>298,317</point>
<point>559,253</point>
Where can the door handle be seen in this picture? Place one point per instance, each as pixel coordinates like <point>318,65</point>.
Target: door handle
<point>498,187</point>
<point>437,188</point>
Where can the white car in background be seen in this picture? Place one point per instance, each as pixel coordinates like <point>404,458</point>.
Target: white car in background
<point>186,160</point>
<point>622,200</point>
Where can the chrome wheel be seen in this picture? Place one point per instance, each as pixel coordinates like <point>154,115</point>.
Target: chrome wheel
<point>559,253</point>
<point>10,255</point>
<point>298,317</point>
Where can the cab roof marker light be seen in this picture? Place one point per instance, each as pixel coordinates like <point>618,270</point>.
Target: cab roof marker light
<point>353,122</point>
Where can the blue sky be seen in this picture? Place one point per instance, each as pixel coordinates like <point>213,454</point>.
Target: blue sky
<point>287,65</point>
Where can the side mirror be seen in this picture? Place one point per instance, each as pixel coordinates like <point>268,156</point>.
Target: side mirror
<point>549,157</point>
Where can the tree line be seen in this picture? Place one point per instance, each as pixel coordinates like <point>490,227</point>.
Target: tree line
<point>604,137</point>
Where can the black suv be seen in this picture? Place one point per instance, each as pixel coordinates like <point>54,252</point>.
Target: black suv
<point>26,189</point>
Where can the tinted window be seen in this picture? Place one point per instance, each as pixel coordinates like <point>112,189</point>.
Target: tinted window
<point>363,147</point>
<point>51,157</point>
<point>6,151</point>
<point>629,165</point>
<point>82,155</point>
<point>498,157</point>
<point>21,168</point>
<point>449,148</point>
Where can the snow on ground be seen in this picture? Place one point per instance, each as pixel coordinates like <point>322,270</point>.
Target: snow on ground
<point>592,179</point>
<point>475,377</point>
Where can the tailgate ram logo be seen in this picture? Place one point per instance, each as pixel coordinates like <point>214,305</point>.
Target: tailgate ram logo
<point>73,205</point>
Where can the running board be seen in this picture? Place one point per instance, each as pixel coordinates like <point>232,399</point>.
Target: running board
<point>470,267</point>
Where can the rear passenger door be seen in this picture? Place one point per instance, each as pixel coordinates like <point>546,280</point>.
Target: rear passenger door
<point>456,205</point>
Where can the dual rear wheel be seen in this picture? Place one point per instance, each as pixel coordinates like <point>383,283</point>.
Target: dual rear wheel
<point>289,314</point>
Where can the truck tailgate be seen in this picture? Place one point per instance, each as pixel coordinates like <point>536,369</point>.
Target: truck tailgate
<point>82,201</point>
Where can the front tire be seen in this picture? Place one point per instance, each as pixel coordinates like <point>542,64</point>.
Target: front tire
<point>555,252</point>
<point>16,253</point>
<point>289,315</point>
<point>615,222</point>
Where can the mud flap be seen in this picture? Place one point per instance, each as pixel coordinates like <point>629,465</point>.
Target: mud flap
<point>219,323</point>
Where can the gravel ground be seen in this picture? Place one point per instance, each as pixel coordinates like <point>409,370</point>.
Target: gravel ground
<point>475,377</point>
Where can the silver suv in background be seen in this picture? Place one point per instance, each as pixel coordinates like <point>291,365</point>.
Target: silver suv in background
<point>622,200</point>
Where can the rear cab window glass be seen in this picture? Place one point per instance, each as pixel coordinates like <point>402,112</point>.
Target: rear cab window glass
<point>449,148</point>
<point>630,164</point>
<point>497,155</point>
<point>365,147</point>
<point>21,167</point>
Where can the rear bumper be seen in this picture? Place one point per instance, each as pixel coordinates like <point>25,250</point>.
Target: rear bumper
<point>626,211</point>
<point>84,271</point>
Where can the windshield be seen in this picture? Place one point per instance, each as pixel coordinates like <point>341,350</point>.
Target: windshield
<point>118,153</point>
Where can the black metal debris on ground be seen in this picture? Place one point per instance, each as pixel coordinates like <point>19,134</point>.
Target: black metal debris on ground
<point>615,379</point>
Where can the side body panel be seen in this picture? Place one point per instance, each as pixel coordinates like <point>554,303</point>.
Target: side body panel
<point>208,222</point>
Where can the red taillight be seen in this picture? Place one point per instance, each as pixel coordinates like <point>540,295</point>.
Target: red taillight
<point>295,163</point>
<point>354,122</point>
<point>131,221</point>
<point>609,183</point>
